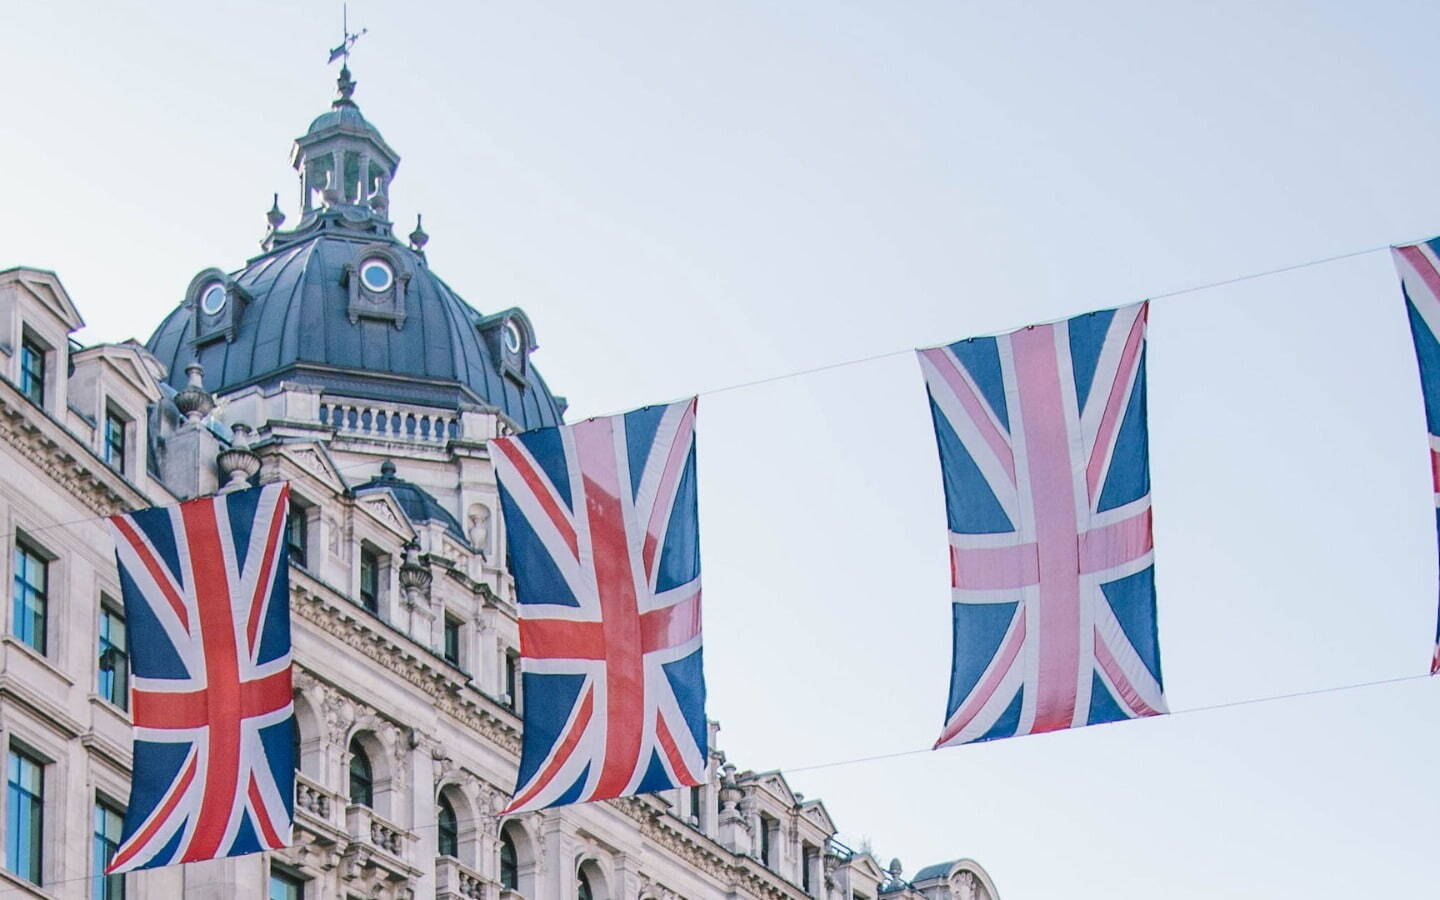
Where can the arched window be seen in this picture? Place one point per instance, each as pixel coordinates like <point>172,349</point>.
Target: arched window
<point>583,892</point>
<point>509,862</point>
<point>449,829</point>
<point>362,777</point>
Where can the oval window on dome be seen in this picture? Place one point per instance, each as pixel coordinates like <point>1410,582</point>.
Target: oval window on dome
<point>212,301</point>
<point>376,275</point>
<point>512,337</point>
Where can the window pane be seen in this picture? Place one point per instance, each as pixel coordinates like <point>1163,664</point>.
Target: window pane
<point>452,641</point>
<point>115,440</point>
<point>114,662</point>
<point>362,781</point>
<point>509,863</point>
<point>369,580</point>
<point>30,597</point>
<point>24,816</point>
<point>286,887</point>
<point>32,371</point>
<point>297,535</point>
<point>449,831</point>
<point>108,824</point>
<point>511,665</point>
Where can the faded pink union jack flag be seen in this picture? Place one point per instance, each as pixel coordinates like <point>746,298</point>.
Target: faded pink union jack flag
<point>1044,451</point>
<point>600,520</point>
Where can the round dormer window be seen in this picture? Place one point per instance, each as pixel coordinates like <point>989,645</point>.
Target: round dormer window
<point>512,337</point>
<point>212,301</point>
<point>376,275</point>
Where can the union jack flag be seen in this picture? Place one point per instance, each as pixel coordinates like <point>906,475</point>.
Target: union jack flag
<point>206,590</point>
<point>1043,448</point>
<point>1419,266</point>
<point>600,520</point>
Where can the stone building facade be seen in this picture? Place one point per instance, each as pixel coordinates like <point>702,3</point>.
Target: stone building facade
<point>337,361</point>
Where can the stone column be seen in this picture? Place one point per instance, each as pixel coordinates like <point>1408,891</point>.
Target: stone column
<point>419,762</point>
<point>556,877</point>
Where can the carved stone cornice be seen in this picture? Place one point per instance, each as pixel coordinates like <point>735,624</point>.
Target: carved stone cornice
<point>63,457</point>
<point>700,853</point>
<point>408,661</point>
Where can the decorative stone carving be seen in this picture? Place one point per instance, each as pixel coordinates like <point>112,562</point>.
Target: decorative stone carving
<point>441,767</point>
<point>967,886</point>
<point>730,793</point>
<point>339,716</point>
<point>437,682</point>
<point>479,529</point>
<point>238,463</point>
<point>194,402</point>
<point>415,578</point>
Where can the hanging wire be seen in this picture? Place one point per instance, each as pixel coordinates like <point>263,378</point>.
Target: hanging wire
<point>1205,286</point>
<point>1231,704</point>
<point>846,363</point>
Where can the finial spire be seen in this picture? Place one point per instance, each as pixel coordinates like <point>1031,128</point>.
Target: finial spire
<point>418,237</point>
<point>275,217</point>
<point>347,40</point>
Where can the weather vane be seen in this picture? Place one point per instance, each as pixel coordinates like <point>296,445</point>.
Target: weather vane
<point>347,39</point>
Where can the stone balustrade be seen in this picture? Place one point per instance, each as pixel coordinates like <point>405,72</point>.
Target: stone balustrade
<point>454,879</point>
<point>390,421</point>
<point>312,798</point>
<point>368,828</point>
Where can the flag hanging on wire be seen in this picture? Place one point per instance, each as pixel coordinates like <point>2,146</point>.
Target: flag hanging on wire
<point>603,537</point>
<point>1419,267</point>
<point>206,591</point>
<point>1045,459</point>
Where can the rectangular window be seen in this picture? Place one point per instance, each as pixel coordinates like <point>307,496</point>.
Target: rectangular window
<point>452,641</point>
<point>114,659</point>
<point>766,827</point>
<point>512,670</point>
<point>115,430</point>
<point>808,857</point>
<point>32,371</point>
<point>697,805</point>
<point>297,534</point>
<point>369,579</point>
<point>32,585</point>
<point>108,824</point>
<point>284,886</point>
<point>25,816</point>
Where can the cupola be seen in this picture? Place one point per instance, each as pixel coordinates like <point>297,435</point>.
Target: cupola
<point>345,170</point>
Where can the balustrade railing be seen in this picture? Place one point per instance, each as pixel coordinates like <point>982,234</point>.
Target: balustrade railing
<point>366,826</point>
<point>454,879</point>
<point>312,798</point>
<point>390,421</point>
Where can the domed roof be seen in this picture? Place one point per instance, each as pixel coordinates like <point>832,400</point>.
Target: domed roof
<point>340,304</point>
<point>293,317</point>
<point>344,116</point>
<point>419,504</point>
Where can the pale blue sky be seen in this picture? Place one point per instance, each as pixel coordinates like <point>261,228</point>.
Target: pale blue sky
<point>684,196</point>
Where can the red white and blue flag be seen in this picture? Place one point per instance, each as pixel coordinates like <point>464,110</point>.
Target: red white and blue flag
<point>1044,451</point>
<point>603,538</point>
<point>206,589</point>
<point>1419,267</point>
